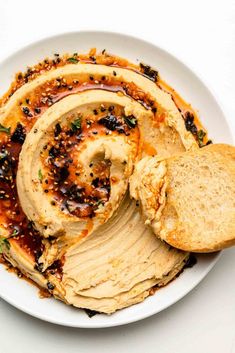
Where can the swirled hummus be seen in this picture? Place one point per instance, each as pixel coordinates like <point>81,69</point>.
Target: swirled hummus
<point>72,130</point>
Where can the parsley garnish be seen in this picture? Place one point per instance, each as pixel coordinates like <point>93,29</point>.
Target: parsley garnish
<point>4,243</point>
<point>15,232</point>
<point>7,130</point>
<point>100,202</point>
<point>130,121</point>
<point>40,176</point>
<point>76,125</point>
<point>72,60</point>
<point>200,135</point>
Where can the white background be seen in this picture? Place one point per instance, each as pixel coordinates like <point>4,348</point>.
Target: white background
<point>202,34</point>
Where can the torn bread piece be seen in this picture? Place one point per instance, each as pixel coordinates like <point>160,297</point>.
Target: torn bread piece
<point>189,199</point>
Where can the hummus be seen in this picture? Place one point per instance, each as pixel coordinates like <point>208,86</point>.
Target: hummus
<point>76,153</point>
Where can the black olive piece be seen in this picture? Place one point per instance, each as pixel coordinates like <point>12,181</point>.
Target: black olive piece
<point>149,72</point>
<point>57,130</point>
<point>6,165</point>
<point>39,267</point>
<point>50,286</point>
<point>95,182</point>
<point>93,59</point>
<point>120,130</point>
<point>53,152</point>
<point>63,173</point>
<point>111,108</point>
<point>193,129</point>
<point>27,112</point>
<point>19,134</point>
<point>110,122</point>
<point>154,110</point>
<point>38,255</point>
<point>70,132</point>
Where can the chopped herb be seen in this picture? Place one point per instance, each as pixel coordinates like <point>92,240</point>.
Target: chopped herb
<point>76,125</point>
<point>40,176</point>
<point>189,123</point>
<point>4,243</point>
<point>3,154</point>
<point>15,232</point>
<point>72,60</point>
<point>200,135</point>
<point>130,121</point>
<point>100,202</point>
<point>5,129</point>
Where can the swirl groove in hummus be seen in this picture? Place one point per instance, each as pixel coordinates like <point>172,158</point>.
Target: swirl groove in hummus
<point>76,133</point>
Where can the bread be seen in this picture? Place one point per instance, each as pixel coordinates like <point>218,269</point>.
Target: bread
<point>189,199</point>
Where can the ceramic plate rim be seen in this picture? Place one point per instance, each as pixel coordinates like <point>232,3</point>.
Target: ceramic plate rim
<point>110,321</point>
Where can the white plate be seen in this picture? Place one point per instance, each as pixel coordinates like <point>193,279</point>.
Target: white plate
<point>23,295</point>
